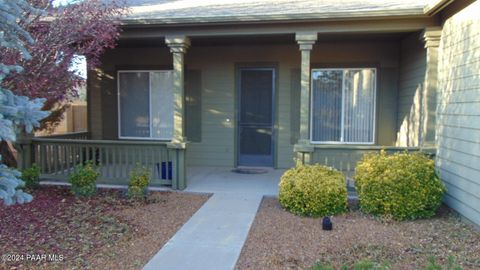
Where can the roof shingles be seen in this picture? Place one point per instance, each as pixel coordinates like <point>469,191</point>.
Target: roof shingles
<point>171,11</point>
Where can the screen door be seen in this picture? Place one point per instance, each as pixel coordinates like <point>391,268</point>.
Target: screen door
<point>255,117</point>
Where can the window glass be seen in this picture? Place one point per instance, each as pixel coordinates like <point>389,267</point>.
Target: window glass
<point>162,104</point>
<point>146,104</point>
<point>327,105</point>
<point>359,105</point>
<point>134,104</point>
<point>343,105</point>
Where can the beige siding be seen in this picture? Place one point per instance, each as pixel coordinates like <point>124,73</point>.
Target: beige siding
<point>411,82</point>
<point>458,122</point>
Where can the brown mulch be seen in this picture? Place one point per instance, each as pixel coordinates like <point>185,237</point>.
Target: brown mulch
<point>281,240</point>
<point>106,231</point>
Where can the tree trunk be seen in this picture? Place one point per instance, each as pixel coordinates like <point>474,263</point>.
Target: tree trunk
<point>8,153</point>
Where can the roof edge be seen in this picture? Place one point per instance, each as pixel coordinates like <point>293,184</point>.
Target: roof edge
<point>436,6</point>
<point>414,12</point>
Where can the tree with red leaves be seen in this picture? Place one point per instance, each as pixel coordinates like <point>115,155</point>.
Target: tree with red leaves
<point>82,28</point>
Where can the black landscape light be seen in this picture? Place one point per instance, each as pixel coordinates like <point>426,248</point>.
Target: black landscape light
<point>327,224</point>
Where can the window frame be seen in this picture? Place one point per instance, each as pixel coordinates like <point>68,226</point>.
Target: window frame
<point>373,142</point>
<point>149,71</point>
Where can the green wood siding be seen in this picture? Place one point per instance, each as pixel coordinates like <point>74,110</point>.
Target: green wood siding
<point>386,125</point>
<point>193,105</point>
<point>94,107</point>
<point>295,105</point>
<point>110,106</point>
<point>412,78</point>
<point>458,115</point>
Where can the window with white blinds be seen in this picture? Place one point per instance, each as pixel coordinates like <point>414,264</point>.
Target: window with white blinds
<point>145,104</point>
<point>343,105</point>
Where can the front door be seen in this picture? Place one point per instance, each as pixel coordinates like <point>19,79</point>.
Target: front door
<point>255,116</point>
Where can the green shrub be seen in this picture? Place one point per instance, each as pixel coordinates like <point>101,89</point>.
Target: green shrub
<point>401,186</point>
<point>139,180</point>
<point>83,179</point>
<point>313,190</point>
<point>31,176</point>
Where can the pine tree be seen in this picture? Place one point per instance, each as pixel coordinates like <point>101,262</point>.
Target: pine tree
<point>15,111</point>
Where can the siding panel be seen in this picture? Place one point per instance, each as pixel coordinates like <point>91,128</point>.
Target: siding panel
<point>458,124</point>
<point>193,105</point>
<point>411,82</point>
<point>295,105</point>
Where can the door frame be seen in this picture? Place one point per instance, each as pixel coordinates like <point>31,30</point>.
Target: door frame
<point>256,66</point>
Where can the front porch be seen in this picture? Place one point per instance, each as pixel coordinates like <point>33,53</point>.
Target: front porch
<point>176,106</point>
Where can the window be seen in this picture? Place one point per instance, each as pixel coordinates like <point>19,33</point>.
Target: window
<point>145,101</point>
<point>343,105</point>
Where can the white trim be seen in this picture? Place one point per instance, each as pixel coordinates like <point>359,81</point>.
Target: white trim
<point>342,112</point>
<point>119,133</point>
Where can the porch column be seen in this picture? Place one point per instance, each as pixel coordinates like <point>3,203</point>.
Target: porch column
<point>178,46</point>
<point>431,38</point>
<point>303,148</point>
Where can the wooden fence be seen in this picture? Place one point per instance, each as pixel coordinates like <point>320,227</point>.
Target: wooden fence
<point>58,155</point>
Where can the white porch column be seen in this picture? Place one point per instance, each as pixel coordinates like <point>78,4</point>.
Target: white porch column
<point>178,46</point>
<point>303,148</point>
<point>431,38</point>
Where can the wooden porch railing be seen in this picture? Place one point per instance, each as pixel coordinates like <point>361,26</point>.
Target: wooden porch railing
<point>71,135</point>
<point>57,157</point>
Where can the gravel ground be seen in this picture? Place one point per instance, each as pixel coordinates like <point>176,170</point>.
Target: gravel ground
<point>280,240</point>
<point>106,231</point>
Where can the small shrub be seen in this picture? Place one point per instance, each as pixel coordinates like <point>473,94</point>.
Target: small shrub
<point>31,176</point>
<point>83,179</point>
<point>139,180</point>
<point>403,186</point>
<point>313,190</point>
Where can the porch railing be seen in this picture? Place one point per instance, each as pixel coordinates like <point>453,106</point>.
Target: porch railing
<point>57,157</point>
<point>345,157</point>
<point>71,135</point>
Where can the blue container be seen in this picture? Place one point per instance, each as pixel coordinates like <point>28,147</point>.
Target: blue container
<point>167,170</point>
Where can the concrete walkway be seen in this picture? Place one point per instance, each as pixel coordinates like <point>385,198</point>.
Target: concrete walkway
<point>214,236</point>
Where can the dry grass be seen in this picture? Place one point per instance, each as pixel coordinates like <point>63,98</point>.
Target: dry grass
<point>281,240</point>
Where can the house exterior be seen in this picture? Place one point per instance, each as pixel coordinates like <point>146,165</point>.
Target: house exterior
<point>267,83</point>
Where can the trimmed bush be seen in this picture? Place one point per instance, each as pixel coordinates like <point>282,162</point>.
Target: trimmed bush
<point>403,186</point>
<point>313,190</point>
<point>83,179</point>
<point>31,176</point>
<point>139,180</point>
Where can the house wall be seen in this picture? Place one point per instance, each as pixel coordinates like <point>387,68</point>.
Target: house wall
<point>217,67</point>
<point>413,67</point>
<point>94,107</point>
<point>458,112</point>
